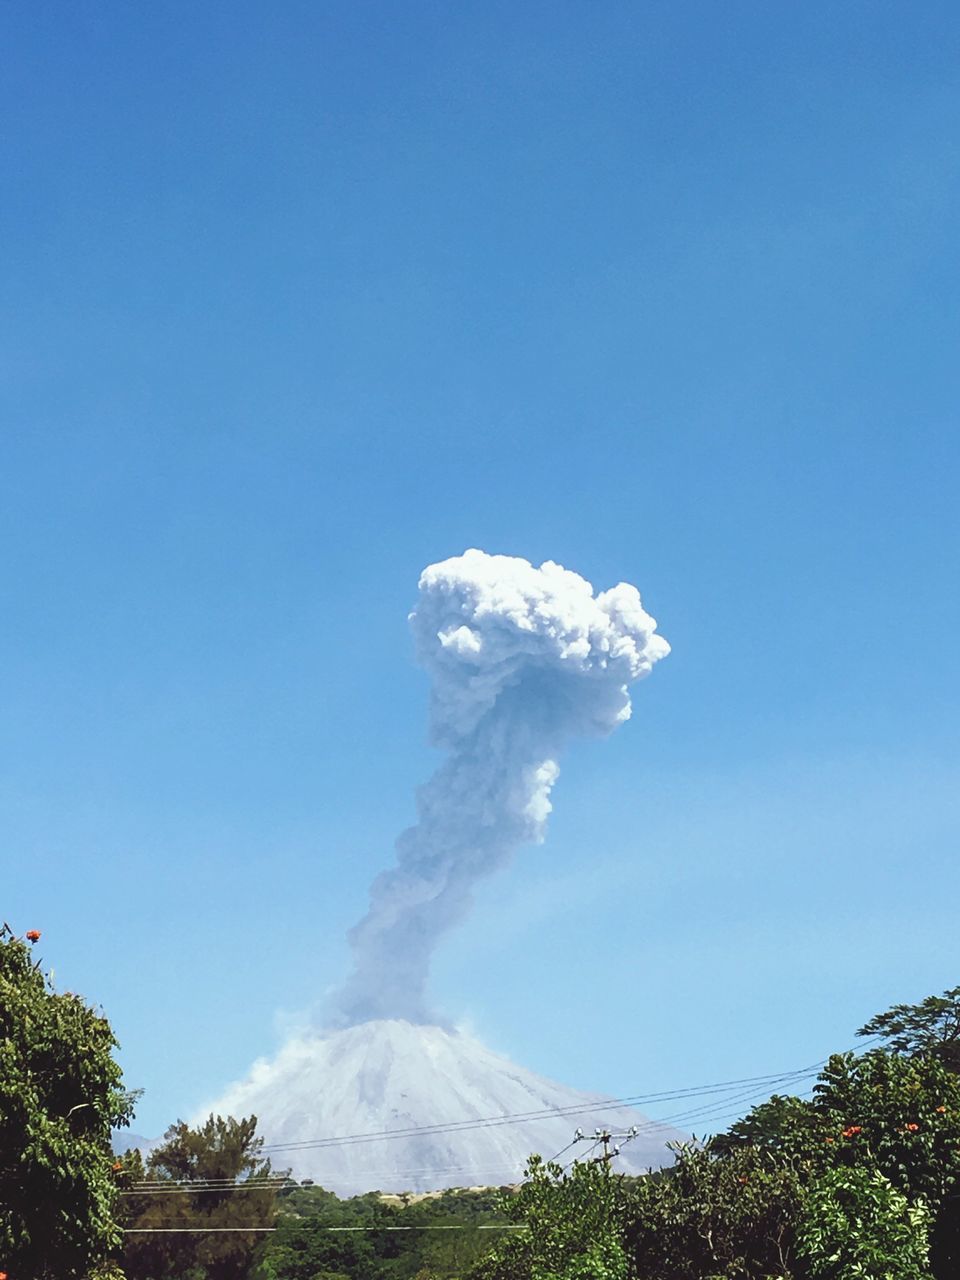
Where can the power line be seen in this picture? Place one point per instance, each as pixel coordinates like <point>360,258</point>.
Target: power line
<point>578,1159</point>
<point>708,1111</point>
<point>421,1226</point>
<point>283,1185</point>
<point>161,1189</point>
<point>525,1117</point>
<point>554,1159</point>
<point>180,1231</point>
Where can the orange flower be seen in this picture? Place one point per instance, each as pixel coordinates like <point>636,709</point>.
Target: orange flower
<point>117,1166</point>
<point>32,935</point>
<point>829,1139</point>
<point>3,1275</point>
<point>911,1128</point>
<point>941,1109</point>
<point>852,1130</point>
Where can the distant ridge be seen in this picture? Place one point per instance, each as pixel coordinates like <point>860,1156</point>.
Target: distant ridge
<point>124,1142</point>
<point>394,1075</point>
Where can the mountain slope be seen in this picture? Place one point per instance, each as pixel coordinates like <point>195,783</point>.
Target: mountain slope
<point>393,1075</point>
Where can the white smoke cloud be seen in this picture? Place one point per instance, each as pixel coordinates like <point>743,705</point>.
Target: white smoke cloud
<point>521,660</point>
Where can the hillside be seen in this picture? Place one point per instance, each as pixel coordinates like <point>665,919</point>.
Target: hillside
<point>327,1103</point>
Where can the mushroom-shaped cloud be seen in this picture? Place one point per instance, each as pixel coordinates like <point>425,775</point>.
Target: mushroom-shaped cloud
<point>521,660</point>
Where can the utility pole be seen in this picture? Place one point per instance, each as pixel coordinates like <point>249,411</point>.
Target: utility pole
<point>610,1152</point>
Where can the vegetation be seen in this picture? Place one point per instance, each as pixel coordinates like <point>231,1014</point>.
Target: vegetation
<point>931,1027</point>
<point>61,1095</point>
<point>317,1237</point>
<point>860,1181</point>
<point>322,1236</point>
<point>574,1227</point>
<point>187,1183</point>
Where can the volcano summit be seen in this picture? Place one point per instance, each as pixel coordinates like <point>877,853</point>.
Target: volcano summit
<point>394,1106</point>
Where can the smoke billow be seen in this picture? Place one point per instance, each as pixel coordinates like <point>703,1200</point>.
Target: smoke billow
<point>521,660</point>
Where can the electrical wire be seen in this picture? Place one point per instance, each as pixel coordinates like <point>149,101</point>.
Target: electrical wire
<point>420,1226</point>
<point>525,1117</point>
<point>757,1087</point>
<point>564,1150</point>
<point>707,1111</point>
<point>191,1188</point>
<point>711,1110</point>
<point>580,1159</point>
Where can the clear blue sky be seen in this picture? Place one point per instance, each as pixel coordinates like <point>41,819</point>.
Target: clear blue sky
<point>300,297</point>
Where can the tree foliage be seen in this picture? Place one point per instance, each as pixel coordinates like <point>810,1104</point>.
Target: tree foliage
<point>187,1183</point>
<point>335,1239</point>
<point>931,1027</point>
<point>61,1095</point>
<point>859,1182</point>
<point>898,1115</point>
<point>731,1217</point>
<point>573,1227</point>
<point>311,1241</point>
<point>854,1222</point>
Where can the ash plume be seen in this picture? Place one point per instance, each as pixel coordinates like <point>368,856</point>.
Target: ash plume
<point>521,660</point>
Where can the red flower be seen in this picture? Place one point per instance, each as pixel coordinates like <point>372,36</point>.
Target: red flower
<point>852,1130</point>
<point>911,1128</point>
<point>32,935</point>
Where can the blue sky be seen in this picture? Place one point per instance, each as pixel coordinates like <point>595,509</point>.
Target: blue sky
<point>300,298</point>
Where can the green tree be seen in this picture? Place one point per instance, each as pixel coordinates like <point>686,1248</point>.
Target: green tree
<point>898,1115</point>
<point>61,1095</point>
<point>860,1181</point>
<point>875,1153</point>
<point>901,1116</point>
<point>319,1235</point>
<point>930,1027</point>
<point>708,1216</point>
<point>573,1227</point>
<point>443,1254</point>
<point>855,1225</point>
<point>783,1126</point>
<point>189,1189</point>
<point>304,1250</point>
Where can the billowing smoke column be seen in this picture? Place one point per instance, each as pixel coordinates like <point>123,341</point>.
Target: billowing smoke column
<point>521,660</point>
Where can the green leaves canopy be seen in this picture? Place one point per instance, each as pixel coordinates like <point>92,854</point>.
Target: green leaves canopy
<point>61,1095</point>
<point>574,1227</point>
<point>217,1154</point>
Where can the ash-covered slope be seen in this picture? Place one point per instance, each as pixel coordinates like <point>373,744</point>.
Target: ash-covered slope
<point>392,1075</point>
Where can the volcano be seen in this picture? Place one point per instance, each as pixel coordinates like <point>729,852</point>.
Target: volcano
<point>396,1106</point>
